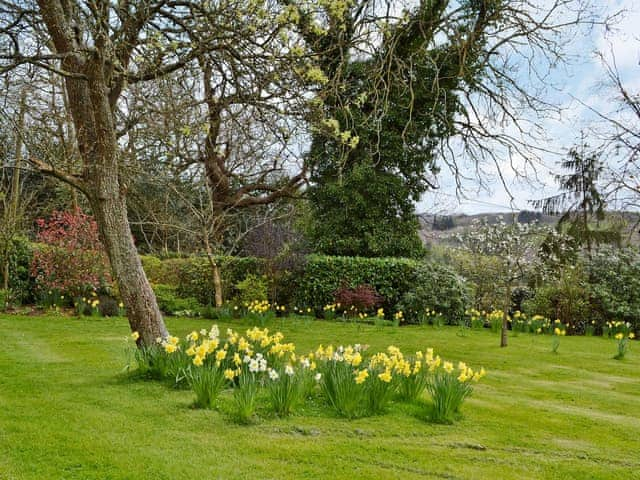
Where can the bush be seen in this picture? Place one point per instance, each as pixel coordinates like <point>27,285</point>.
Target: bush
<point>315,282</point>
<point>5,297</point>
<point>483,275</point>
<point>21,283</point>
<point>436,288</point>
<point>108,306</point>
<point>70,259</point>
<point>323,275</point>
<point>566,299</point>
<point>362,298</point>
<point>195,276</point>
<point>252,288</point>
<point>614,284</point>
<point>170,303</point>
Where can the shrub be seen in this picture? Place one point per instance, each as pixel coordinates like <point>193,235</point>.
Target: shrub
<point>483,275</point>
<point>252,288</point>
<point>108,306</point>
<point>614,284</point>
<point>323,275</point>
<point>169,302</point>
<point>5,297</point>
<point>362,298</point>
<point>566,299</point>
<point>21,283</point>
<point>436,288</point>
<point>70,258</point>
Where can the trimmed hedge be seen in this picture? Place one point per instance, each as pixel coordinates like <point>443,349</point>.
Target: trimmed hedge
<point>393,278</point>
<point>323,275</point>
<point>402,282</point>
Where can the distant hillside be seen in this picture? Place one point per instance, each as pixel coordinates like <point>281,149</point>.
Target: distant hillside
<point>440,229</point>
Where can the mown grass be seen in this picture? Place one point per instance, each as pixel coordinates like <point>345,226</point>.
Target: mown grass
<point>67,411</point>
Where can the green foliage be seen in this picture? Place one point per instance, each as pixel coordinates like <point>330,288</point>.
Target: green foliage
<point>435,287</point>
<point>323,275</point>
<point>286,389</point>
<point>170,302</point>
<point>195,276</point>
<point>348,398</point>
<point>21,283</point>
<point>5,297</point>
<point>252,288</point>
<point>206,381</point>
<point>614,277</point>
<point>367,213</point>
<point>447,393</point>
<point>580,200</point>
<point>483,275</point>
<point>565,298</point>
<point>245,396</point>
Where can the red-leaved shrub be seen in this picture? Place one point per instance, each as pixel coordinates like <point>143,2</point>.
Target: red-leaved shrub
<point>71,259</point>
<point>362,298</point>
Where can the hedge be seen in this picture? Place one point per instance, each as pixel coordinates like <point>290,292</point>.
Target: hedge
<point>393,278</point>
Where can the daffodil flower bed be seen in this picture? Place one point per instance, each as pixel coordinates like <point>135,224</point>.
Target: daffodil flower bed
<point>352,383</point>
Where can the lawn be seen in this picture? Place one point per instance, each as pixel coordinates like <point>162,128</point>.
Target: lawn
<point>68,411</point>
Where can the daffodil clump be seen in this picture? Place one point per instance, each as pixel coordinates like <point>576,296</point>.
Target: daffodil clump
<point>161,360</point>
<point>87,305</point>
<point>354,385</point>
<point>613,328</point>
<point>329,310</point>
<point>623,343</point>
<point>449,387</point>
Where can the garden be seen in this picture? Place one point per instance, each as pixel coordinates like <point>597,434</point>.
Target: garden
<point>330,367</point>
<point>319,239</point>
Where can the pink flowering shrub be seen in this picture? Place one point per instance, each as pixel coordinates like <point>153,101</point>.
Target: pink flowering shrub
<point>71,259</point>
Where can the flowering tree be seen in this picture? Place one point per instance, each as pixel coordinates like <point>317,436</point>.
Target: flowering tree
<point>517,248</point>
<point>72,259</point>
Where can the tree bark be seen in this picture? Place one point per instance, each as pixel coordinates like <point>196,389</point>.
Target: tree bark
<point>142,309</point>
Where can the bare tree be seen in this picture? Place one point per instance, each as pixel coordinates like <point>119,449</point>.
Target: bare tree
<point>98,48</point>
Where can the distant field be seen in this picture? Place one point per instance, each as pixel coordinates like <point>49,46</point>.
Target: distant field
<point>67,411</point>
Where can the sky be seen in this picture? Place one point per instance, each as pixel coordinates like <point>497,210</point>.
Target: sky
<point>577,89</point>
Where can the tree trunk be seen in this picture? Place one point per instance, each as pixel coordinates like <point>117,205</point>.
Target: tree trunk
<point>215,269</point>
<point>505,316</point>
<point>14,203</point>
<point>92,97</point>
<point>142,309</point>
<point>5,275</point>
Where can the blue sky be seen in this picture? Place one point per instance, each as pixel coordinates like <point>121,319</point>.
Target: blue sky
<point>577,86</point>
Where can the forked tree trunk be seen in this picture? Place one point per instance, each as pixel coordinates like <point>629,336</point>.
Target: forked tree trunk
<point>92,94</point>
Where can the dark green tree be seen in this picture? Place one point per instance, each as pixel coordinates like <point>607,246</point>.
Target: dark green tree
<point>580,203</point>
<point>369,213</point>
<point>386,116</point>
